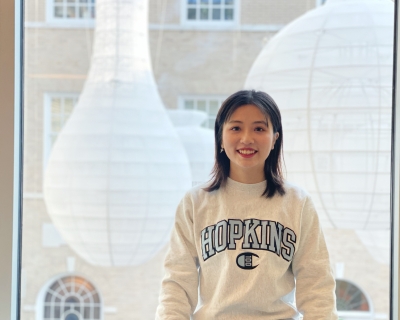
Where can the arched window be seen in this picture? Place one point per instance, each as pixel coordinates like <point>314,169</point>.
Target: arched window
<point>350,298</point>
<point>72,298</point>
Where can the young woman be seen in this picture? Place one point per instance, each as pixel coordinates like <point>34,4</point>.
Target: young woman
<point>247,245</point>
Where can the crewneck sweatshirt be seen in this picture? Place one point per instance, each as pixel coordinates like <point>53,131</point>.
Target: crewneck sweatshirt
<point>236,255</point>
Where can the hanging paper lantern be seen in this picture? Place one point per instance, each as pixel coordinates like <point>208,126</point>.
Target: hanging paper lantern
<point>330,72</point>
<point>118,169</point>
<point>198,142</point>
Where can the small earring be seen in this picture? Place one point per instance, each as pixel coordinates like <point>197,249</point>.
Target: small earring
<point>222,150</point>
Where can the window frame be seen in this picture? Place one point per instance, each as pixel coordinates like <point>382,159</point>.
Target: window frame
<point>11,141</point>
<point>215,24</point>
<point>395,176</point>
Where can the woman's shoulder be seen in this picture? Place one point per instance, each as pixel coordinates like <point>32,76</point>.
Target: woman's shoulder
<point>293,190</point>
<point>198,191</point>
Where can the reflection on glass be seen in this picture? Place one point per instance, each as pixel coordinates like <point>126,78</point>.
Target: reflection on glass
<point>229,1</point>
<point>216,1</point>
<point>192,1</point>
<point>204,1</point>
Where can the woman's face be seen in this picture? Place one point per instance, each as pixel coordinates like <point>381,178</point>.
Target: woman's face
<point>248,138</point>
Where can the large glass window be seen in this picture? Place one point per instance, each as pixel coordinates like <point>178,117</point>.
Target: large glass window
<point>114,137</point>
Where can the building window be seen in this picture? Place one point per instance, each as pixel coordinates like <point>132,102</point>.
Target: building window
<point>210,10</point>
<point>72,10</point>
<point>72,298</point>
<point>208,104</point>
<point>57,109</point>
<point>350,298</point>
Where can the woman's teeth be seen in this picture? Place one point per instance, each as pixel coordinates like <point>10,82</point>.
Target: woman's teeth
<point>247,151</point>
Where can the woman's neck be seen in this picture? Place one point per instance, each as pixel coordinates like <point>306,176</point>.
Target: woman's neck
<point>247,177</point>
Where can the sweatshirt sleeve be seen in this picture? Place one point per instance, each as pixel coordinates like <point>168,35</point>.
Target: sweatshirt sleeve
<point>315,284</point>
<point>179,289</point>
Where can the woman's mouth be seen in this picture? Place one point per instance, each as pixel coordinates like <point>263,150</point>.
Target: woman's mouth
<point>247,153</point>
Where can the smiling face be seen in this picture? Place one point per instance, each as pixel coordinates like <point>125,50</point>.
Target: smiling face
<point>248,138</point>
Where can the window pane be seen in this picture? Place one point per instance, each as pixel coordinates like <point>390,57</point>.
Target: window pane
<point>216,14</point>
<point>229,1</point>
<point>201,105</point>
<point>214,106</point>
<point>83,12</point>
<point>57,312</point>
<point>228,14</point>
<point>192,1</point>
<point>56,124</point>
<point>71,1</point>
<point>192,14</point>
<point>47,312</point>
<point>203,14</point>
<point>68,105</point>
<point>58,12</point>
<point>216,1</point>
<point>86,312</point>
<point>71,12</point>
<point>204,1</point>
<point>189,104</point>
<point>58,1</point>
<point>96,313</point>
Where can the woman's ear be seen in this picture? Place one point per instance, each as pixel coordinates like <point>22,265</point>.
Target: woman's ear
<point>276,136</point>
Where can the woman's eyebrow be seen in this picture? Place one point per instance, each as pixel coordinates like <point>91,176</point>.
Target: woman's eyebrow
<point>255,122</point>
<point>262,122</point>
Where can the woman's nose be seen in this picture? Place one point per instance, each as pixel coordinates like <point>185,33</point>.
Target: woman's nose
<point>246,138</point>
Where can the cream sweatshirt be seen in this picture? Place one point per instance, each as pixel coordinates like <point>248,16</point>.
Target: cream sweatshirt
<point>236,255</point>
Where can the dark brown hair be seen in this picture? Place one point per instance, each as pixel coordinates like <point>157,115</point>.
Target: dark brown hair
<point>273,164</point>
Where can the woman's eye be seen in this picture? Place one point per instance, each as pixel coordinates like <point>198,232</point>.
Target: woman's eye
<point>235,128</point>
<point>259,129</point>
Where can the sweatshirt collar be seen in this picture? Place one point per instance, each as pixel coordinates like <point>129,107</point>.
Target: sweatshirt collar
<point>239,187</point>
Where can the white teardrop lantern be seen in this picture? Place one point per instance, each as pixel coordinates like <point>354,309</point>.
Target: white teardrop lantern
<point>330,72</point>
<point>118,169</point>
<point>198,142</point>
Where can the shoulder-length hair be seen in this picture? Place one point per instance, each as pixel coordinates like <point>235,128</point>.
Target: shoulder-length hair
<point>273,164</point>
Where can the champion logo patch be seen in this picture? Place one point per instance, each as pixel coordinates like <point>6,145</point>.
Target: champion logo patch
<point>247,261</point>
